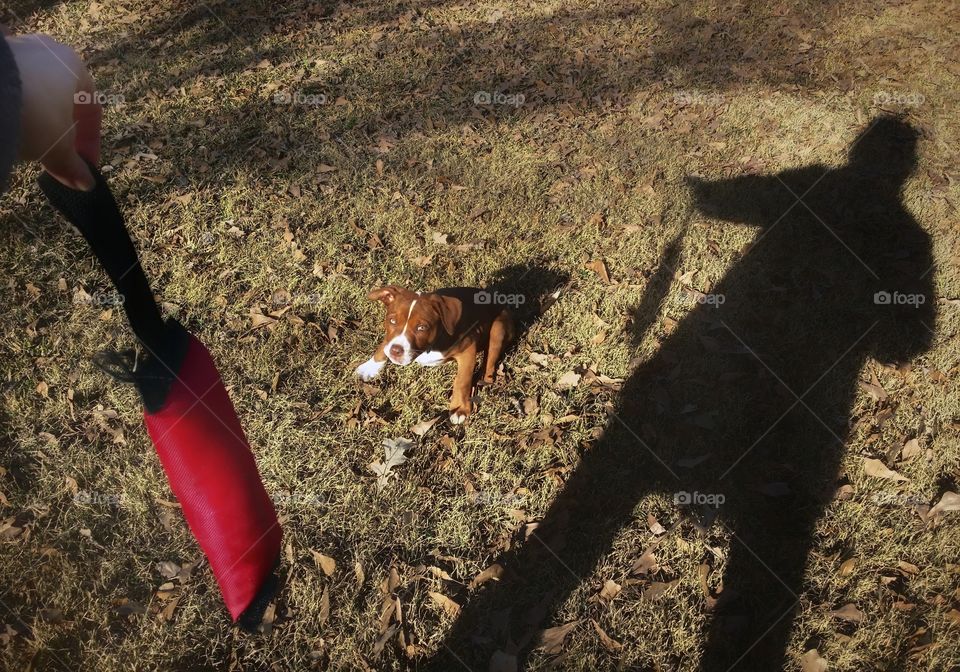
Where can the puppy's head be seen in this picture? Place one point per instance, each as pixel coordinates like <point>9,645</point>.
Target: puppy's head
<point>415,323</point>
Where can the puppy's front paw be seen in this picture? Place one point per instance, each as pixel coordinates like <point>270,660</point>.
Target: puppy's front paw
<point>370,369</point>
<point>459,413</point>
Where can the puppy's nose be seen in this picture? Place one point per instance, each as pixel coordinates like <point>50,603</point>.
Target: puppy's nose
<point>396,351</point>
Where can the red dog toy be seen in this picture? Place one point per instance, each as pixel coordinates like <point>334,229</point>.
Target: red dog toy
<point>189,417</point>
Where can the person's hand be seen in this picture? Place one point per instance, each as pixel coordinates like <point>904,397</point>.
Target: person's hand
<point>60,119</point>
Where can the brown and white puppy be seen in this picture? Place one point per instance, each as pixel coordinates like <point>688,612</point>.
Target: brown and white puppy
<point>431,328</point>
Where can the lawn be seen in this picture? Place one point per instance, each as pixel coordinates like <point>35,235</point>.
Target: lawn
<point>711,447</point>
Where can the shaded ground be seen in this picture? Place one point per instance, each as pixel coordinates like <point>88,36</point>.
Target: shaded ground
<point>276,162</point>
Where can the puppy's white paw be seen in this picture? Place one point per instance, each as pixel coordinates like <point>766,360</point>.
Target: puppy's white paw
<point>457,418</point>
<point>370,369</point>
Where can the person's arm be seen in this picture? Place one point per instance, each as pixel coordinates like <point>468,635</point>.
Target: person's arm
<point>9,112</point>
<point>54,118</point>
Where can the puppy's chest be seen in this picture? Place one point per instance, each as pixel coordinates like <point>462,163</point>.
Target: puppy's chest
<point>436,356</point>
<point>431,358</point>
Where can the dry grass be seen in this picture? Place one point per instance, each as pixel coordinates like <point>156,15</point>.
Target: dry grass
<point>231,201</point>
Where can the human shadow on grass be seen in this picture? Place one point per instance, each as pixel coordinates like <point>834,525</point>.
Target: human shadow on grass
<point>747,400</point>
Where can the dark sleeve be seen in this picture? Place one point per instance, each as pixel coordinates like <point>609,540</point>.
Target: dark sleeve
<point>9,112</point>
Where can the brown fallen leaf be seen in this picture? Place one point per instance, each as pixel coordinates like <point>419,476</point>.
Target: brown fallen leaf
<point>451,608</point>
<point>393,580</point>
<point>324,562</point>
<point>491,573</point>
<point>600,268</point>
<point>878,469</point>
<point>655,525</point>
<point>950,501</point>
<point>421,428</point>
<point>568,380</point>
<point>440,573</point>
<point>551,640</point>
<point>848,612</point>
<point>658,589</point>
<point>645,564</point>
<point>609,643</point>
<point>847,567</point>
<point>166,614</point>
<point>610,590</point>
<point>812,662</point>
<point>384,638</point>
<point>908,567</point>
<point>324,615</point>
<point>258,320</point>
<point>876,392</point>
<point>910,450</point>
<point>478,212</point>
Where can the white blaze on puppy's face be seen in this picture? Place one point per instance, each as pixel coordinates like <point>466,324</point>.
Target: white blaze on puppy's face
<point>398,349</point>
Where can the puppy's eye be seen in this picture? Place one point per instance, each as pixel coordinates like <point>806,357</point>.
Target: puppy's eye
<point>421,327</point>
<point>392,320</point>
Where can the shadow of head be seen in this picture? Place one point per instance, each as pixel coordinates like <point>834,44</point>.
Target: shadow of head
<point>885,149</point>
<point>837,252</point>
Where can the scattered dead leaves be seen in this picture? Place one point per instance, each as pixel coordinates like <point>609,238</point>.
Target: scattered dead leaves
<point>551,640</point>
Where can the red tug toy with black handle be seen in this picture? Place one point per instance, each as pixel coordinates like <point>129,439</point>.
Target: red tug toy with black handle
<point>188,414</point>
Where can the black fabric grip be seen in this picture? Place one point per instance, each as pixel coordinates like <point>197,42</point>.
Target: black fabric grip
<point>152,374</point>
<point>97,217</point>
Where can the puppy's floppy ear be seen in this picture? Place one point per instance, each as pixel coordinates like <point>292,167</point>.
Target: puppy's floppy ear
<point>387,294</point>
<point>450,311</point>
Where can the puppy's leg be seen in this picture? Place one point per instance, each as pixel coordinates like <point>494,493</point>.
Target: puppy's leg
<point>501,331</point>
<point>371,368</point>
<point>460,401</point>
